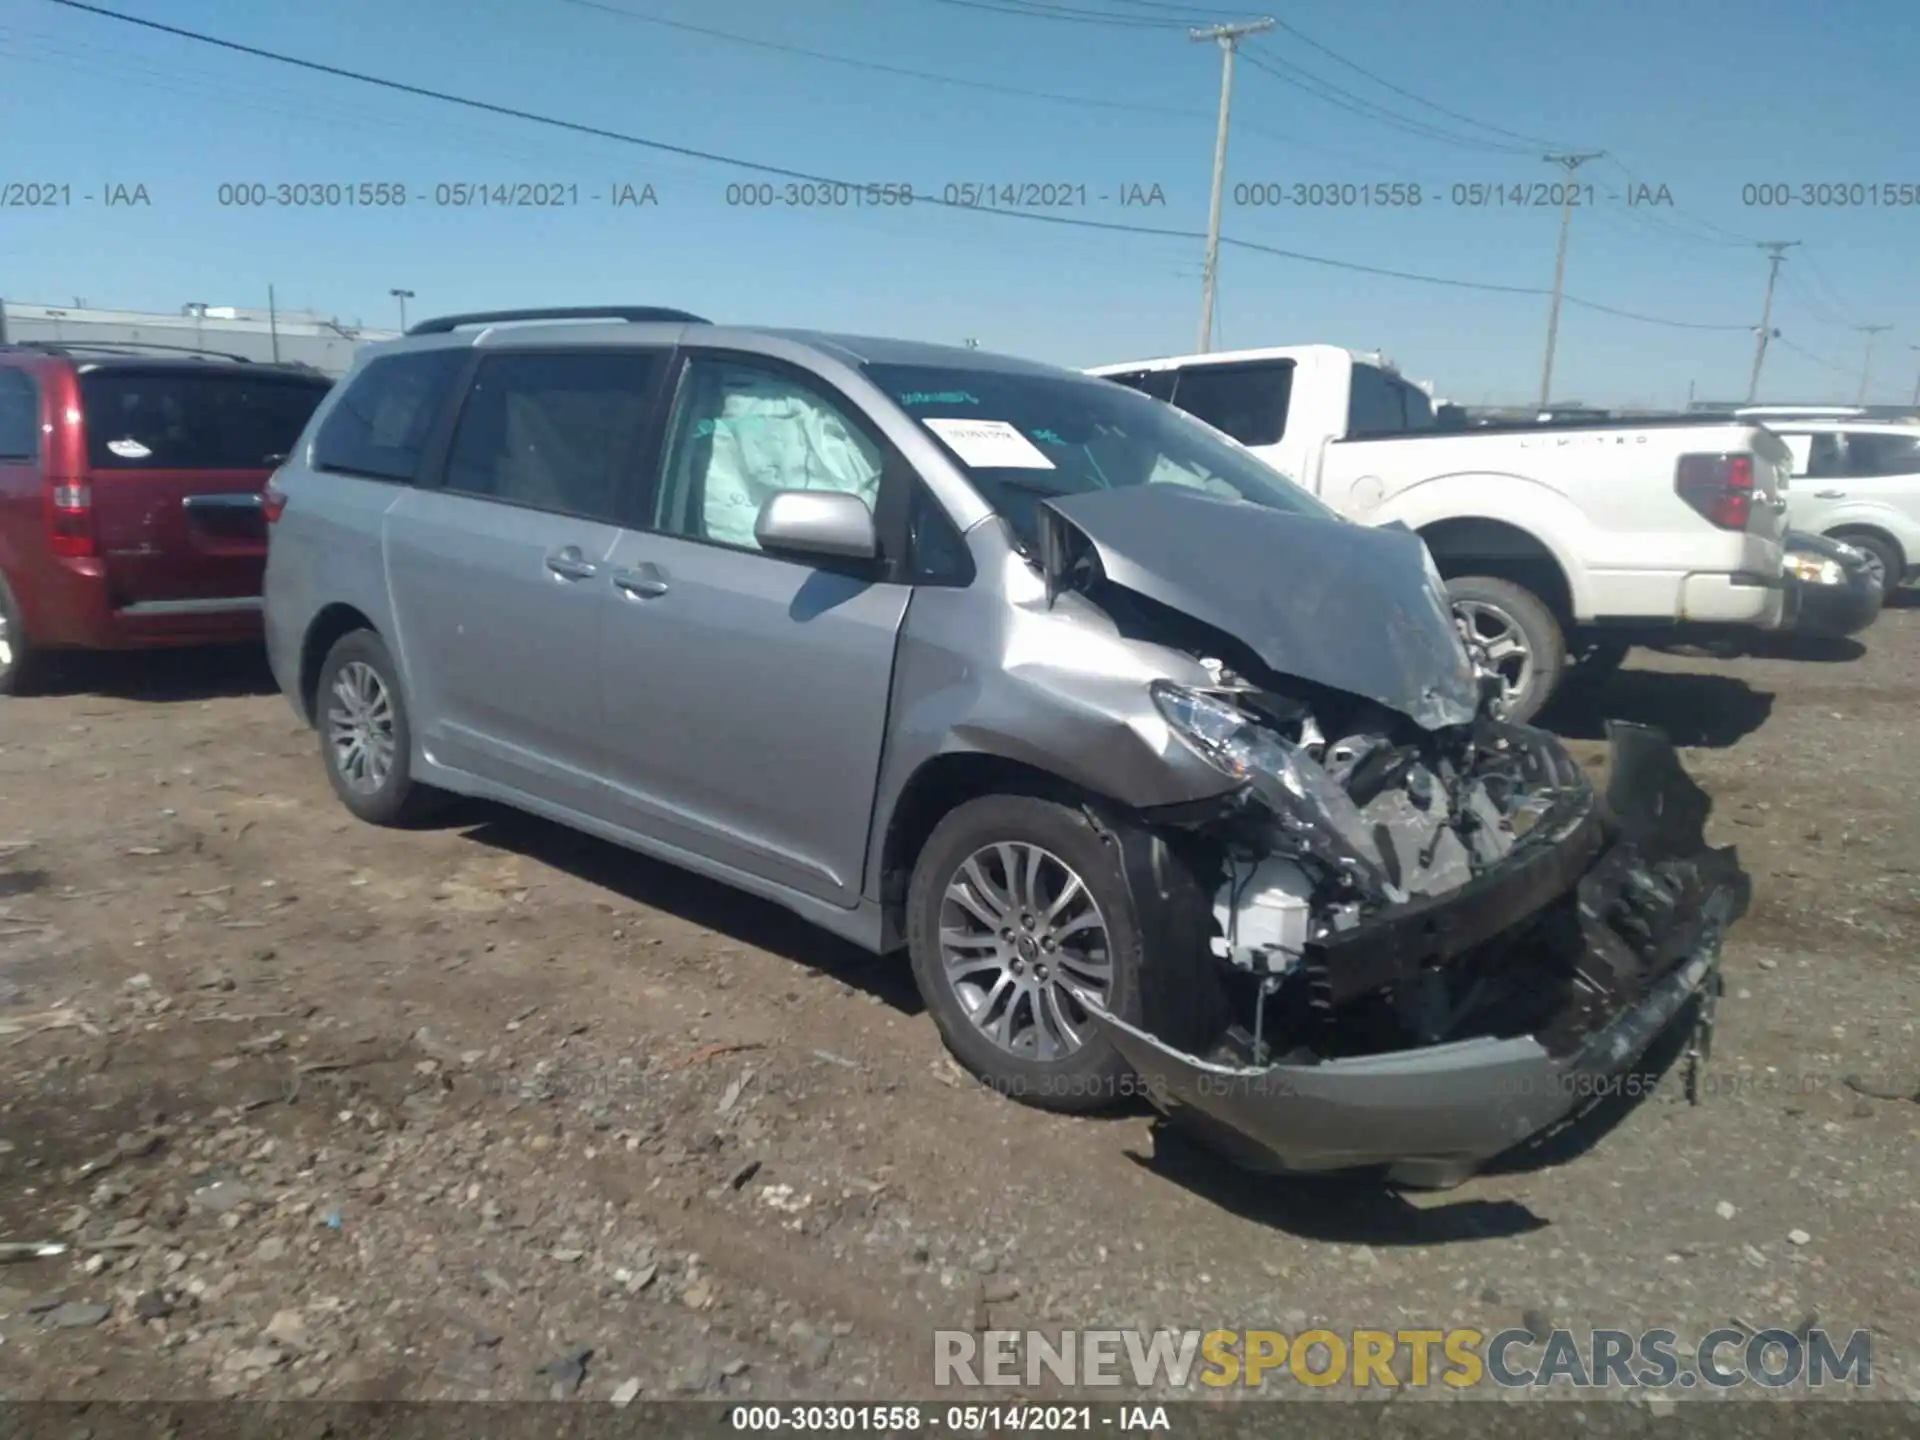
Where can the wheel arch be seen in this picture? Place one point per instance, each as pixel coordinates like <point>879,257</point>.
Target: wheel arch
<point>941,785</point>
<point>323,633</point>
<point>1476,545</point>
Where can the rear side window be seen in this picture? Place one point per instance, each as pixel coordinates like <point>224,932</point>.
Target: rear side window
<point>557,432</point>
<point>380,426</point>
<point>1872,454</point>
<point>1248,402</point>
<point>192,420</point>
<point>1378,404</point>
<point>19,416</point>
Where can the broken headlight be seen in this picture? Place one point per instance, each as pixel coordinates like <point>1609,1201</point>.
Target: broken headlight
<point>1317,816</point>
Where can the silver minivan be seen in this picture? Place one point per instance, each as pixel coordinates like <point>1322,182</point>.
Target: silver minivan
<point>1168,781</point>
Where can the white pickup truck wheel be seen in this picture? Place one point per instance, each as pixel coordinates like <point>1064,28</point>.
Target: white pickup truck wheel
<point>1519,638</point>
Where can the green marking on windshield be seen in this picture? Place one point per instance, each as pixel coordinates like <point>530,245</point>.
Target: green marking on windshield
<point>1049,436</point>
<point>939,397</point>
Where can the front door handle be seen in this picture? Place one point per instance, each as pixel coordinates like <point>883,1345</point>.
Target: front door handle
<point>640,584</point>
<point>1829,494</point>
<point>569,564</point>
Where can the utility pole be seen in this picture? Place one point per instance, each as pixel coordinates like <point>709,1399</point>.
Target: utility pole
<point>1914,348</point>
<point>273,324</point>
<point>1776,252</point>
<point>1228,37</point>
<point>402,296</point>
<point>1569,163</point>
<point>1866,365</point>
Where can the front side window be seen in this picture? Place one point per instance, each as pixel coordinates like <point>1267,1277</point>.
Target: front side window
<point>555,431</point>
<point>742,433</point>
<point>1023,438</point>
<point>188,420</point>
<point>380,426</point>
<point>1247,401</point>
<point>19,416</point>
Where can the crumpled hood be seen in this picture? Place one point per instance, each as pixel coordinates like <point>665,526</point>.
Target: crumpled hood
<point>1353,607</point>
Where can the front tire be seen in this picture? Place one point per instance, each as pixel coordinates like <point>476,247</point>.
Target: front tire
<point>366,742</point>
<point>1016,904</point>
<point>1521,638</point>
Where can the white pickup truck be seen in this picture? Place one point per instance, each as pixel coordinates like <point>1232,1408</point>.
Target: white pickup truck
<point>1560,542</point>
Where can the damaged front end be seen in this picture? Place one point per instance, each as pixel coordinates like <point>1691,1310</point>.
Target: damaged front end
<point>1428,948</point>
<point>1431,940</point>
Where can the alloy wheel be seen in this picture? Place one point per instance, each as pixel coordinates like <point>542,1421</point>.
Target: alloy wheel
<point>1022,940</point>
<point>1501,643</point>
<point>360,728</point>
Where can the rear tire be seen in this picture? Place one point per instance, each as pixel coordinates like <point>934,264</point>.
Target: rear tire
<point>999,1002</point>
<point>1880,552</point>
<point>1523,640</point>
<point>366,742</point>
<point>22,666</point>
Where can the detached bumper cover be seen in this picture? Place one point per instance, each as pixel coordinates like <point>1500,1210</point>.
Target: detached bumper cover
<point>1652,905</point>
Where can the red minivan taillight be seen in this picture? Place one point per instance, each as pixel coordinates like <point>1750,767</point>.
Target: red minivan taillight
<point>1720,487</point>
<point>272,501</point>
<point>70,517</point>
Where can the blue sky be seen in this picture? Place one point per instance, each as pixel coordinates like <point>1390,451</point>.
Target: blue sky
<point>1704,97</point>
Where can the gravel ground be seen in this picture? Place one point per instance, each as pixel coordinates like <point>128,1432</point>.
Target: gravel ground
<point>491,1110</point>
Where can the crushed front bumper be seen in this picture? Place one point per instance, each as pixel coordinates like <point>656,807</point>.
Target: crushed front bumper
<point>1652,903</point>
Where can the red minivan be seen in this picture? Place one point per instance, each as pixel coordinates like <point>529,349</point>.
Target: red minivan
<point>130,499</point>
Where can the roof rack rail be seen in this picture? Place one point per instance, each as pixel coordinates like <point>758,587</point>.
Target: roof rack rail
<point>632,314</point>
<point>124,347</point>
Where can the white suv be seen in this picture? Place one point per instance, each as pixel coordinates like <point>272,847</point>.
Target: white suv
<point>1858,481</point>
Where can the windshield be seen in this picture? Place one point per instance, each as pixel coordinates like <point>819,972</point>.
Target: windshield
<point>1024,438</point>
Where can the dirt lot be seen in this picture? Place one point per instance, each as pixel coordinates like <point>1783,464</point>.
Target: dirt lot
<point>494,1110</point>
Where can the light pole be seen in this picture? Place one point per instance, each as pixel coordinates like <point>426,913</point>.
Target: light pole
<point>402,296</point>
<point>1569,163</point>
<point>1228,37</point>
<point>1866,364</point>
<point>1776,252</point>
<point>1916,382</point>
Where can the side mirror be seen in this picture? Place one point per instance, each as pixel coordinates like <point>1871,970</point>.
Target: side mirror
<point>817,525</point>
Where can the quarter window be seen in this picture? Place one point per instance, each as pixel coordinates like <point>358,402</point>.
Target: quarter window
<point>555,431</point>
<point>380,426</point>
<point>742,434</point>
<point>19,416</point>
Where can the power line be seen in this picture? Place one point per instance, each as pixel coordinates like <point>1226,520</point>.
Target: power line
<point>883,68</point>
<point>1033,11</point>
<point>787,173</point>
<point>1807,354</point>
<point>1367,109</point>
<point>987,87</point>
<point>1338,59</point>
<point>1193,11</point>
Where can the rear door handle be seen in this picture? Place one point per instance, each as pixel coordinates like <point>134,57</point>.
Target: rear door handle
<point>569,564</point>
<point>641,584</point>
<point>1829,494</point>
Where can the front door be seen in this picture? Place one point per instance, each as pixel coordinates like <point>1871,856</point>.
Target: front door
<point>745,696</point>
<point>499,573</point>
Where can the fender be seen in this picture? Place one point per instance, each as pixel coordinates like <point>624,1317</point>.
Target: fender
<point>1526,504</point>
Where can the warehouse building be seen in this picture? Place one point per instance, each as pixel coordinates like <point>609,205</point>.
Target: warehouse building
<point>325,343</point>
